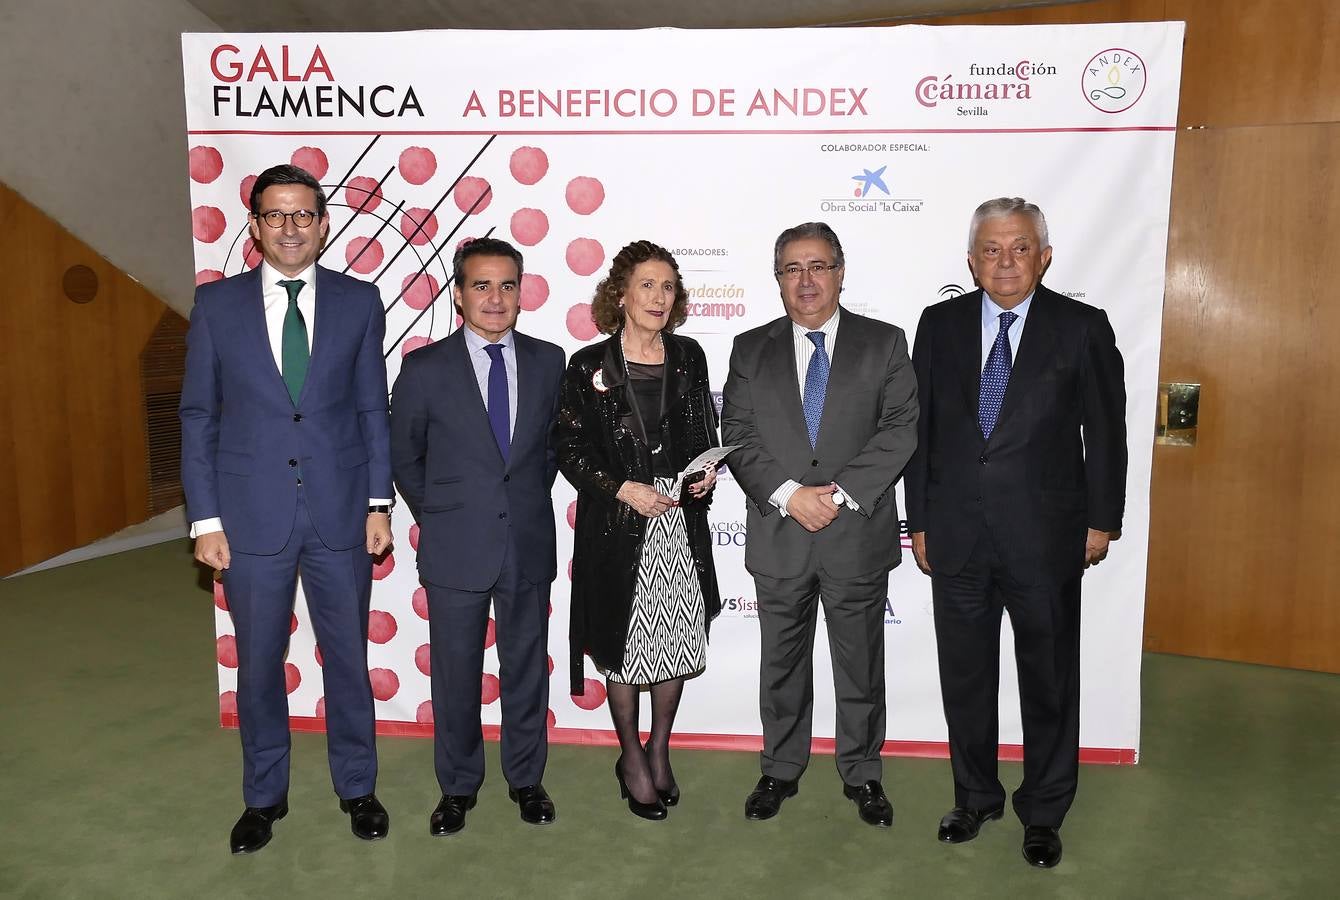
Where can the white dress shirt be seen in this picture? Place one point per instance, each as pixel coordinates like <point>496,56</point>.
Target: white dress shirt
<point>483,363</point>
<point>804,348</point>
<point>991,325</point>
<point>274,297</point>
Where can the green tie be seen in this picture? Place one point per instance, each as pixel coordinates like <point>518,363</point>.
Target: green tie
<point>293,350</point>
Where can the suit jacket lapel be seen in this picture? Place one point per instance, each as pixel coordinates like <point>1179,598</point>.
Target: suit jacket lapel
<point>967,351</point>
<point>328,309</point>
<point>527,387</point>
<point>780,368</point>
<point>462,372</point>
<point>614,378</point>
<point>844,375</point>
<point>1036,349</point>
<point>251,308</point>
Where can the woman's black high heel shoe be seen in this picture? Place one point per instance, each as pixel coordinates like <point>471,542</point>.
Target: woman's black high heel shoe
<point>653,811</point>
<point>670,797</point>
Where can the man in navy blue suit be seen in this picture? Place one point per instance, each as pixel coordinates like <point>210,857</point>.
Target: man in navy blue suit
<point>473,456</point>
<point>286,466</point>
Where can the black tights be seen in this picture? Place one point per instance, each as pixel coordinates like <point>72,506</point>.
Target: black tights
<point>645,771</point>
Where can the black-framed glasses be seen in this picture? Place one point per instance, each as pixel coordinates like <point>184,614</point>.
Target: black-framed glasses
<point>302,218</point>
<point>816,270</point>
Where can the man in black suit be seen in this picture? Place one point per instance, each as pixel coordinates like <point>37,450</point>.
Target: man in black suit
<point>472,456</point>
<point>1017,484</point>
<point>823,405</point>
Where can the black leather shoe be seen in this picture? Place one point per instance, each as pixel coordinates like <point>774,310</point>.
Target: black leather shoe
<point>449,817</point>
<point>961,824</point>
<point>1042,846</point>
<point>766,800</point>
<point>367,817</point>
<point>534,803</point>
<point>669,797</point>
<point>655,811</point>
<point>873,807</point>
<point>252,831</point>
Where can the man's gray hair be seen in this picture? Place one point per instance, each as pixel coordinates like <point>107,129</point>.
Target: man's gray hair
<point>802,232</point>
<point>1004,207</point>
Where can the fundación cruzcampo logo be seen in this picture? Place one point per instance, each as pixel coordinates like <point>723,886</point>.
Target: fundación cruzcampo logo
<point>867,180</point>
<point>1114,80</point>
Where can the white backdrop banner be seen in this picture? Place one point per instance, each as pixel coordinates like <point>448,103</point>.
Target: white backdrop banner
<point>572,144</point>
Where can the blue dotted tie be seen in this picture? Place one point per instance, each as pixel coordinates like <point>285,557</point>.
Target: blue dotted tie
<point>816,386</point>
<point>499,413</point>
<point>995,376</point>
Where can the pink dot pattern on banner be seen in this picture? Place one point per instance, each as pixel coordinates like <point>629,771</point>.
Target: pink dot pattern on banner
<point>385,683</point>
<point>490,633</point>
<point>408,346</point>
<point>489,689</point>
<point>414,529</point>
<point>364,262</point>
<point>417,164</point>
<point>320,660</point>
<point>551,606</point>
<point>251,254</point>
<point>529,226</point>
<point>313,159</point>
<point>207,224</point>
<point>292,622</point>
<point>534,291</point>
<point>419,288</point>
<point>423,658</point>
<point>549,720</point>
<point>551,665</point>
<point>468,190</point>
<point>580,324</point>
<point>381,626</point>
<point>220,599</point>
<point>244,191</point>
<point>585,256</point>
<point>228,703</point>
<point>424,714</point>
<point>410,224</point>
<point>363,192</point>
<point>321,707</point>
<point>572,514</point>
<point>206,164</point>
<point>420,603</point>
<point>528,164</point>
<point>205,276</point>
<point>584,195</point>
<point>292,677</point>
<point>592,696</point>
<point>225,650</point>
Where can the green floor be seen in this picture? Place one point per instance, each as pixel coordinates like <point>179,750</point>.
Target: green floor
<point>118,782</point>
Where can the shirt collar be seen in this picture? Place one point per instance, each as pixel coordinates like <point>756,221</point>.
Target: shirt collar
<point>270,277</point>
<point>991,311</point>
<point>474,343</point>
<point>829,328</point>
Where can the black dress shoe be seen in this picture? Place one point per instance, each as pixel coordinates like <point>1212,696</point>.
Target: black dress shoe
<point>873,807</point>
<point>668,797</point>
<point>655,811</point>
<point>1042,846</point>
<point>449,817</point>
<point>534,803</point>
<point>766,799</point>
<point>961,824</point>
<point>367,817</point>
<point>252,831</point>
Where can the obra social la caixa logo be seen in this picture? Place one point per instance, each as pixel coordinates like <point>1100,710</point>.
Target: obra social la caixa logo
<point>1114,80</point>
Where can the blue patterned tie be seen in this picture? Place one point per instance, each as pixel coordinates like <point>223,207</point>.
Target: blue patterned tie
<point>499,411</point>
<point>816,386</point>
<point>995,376</point>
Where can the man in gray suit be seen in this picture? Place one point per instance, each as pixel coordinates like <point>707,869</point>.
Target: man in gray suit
<point>824,405</point>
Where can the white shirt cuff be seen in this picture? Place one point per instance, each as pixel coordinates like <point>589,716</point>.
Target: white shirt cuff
<point>378,501</point>
<point>206,526</point>
<point>783,495</point>
<point>850,501</point>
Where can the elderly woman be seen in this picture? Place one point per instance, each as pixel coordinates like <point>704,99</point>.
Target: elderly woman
<point>635,409</point>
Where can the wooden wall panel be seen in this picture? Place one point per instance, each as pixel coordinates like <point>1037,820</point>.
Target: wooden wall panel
<point>72,456</point>
<point>1243,535</point>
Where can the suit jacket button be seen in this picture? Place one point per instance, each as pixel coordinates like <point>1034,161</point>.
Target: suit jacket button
<point>814,462</point>
<point>507,478</point>
<point>502,515</point>
<point>293,464</point>
<point>982,459</point>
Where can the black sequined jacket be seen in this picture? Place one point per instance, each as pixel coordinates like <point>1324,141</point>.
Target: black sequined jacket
<point>600,446</point>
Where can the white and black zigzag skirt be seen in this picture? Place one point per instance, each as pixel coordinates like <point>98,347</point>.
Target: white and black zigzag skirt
<point>667,636</point>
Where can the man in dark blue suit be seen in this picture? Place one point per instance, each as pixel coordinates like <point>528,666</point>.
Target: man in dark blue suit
<point>473,458</point>
<point>286,466</point>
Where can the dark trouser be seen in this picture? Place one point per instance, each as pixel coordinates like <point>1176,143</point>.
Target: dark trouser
<point>338,588</point>
<point>457,622</point>
<point>1045,619</point>
<point>854,616</point>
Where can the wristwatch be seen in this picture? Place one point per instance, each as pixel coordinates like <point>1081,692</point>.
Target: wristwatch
<point>379,509</point>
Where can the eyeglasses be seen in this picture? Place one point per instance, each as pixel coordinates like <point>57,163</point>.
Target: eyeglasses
<point>816,270</point>
<point>301,217</point>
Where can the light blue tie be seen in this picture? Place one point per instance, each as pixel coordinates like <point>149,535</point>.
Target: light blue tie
<point>816,386</point>
<point>995,377</point>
